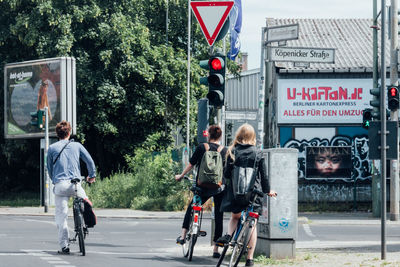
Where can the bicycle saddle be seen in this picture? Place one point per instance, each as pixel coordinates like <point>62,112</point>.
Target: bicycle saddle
<point>75,180</point>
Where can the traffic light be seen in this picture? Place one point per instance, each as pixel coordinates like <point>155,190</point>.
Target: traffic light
<point>367,118</point>
<point>215,80</point>
<point>37,118</point>
<point>202,120</point>
<point>376,103</point>
<point>393,98</point>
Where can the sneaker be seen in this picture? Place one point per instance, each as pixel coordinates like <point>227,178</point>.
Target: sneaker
<point>223,240</point>
<point>249,262</point>
<point>216,255</point>
<point>180,241</point>
<point>64,250</point>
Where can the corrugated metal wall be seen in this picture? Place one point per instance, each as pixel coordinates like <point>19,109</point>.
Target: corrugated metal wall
<point>242,94</point>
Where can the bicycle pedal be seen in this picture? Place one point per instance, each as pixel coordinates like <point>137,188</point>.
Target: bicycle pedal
<point>202,233</point>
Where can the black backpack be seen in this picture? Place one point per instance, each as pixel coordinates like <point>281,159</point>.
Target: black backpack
<point>88,214</point>
<point>243,180</point>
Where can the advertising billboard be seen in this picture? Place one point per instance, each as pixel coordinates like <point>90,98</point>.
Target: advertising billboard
<point>33,85</point>
<point>322,101</point>
<point>328,162</point>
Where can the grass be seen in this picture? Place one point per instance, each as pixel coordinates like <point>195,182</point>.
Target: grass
<point>262,259</point>
<point>23,199</point>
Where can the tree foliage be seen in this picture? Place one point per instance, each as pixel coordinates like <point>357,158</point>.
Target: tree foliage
<point>131,82</point>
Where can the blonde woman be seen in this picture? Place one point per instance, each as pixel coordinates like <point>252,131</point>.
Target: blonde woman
<point>242,152</point>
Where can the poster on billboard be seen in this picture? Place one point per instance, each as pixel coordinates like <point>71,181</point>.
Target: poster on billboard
<point>333,162</point>
<point>33,85</point>
<point>322,101</point>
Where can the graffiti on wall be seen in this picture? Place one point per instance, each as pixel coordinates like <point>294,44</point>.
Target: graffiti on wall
<point>361,167</point>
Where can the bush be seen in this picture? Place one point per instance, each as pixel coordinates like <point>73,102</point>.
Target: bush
<point>149,184</point>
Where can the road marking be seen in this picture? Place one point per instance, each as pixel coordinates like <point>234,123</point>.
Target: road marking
<point>47,257</point>
<point>317,244</point>
<point>51,258</point>
<point>13,254</point>
<point>307,229</point>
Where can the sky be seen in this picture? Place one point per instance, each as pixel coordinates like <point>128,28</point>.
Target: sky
<point>255,12</point>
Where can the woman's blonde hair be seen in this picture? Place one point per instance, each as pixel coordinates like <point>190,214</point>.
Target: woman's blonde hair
<point>244,135</point>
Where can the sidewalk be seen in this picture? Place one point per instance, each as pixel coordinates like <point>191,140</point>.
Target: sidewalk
<point>353,218</point>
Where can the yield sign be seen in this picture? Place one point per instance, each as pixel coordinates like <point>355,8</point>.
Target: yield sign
<point>211,16</point>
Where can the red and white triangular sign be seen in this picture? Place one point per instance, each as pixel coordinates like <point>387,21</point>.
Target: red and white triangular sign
<point>211,16</point>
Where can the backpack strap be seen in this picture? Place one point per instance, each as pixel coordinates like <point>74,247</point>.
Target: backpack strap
<point>220,149</point>
<point>58,156</point>
<point>206,146</point>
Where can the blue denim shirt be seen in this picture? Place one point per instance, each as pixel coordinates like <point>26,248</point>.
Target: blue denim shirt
<point>67,166</point>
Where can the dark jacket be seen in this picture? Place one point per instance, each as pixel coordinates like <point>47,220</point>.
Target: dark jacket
<point>245,156</point>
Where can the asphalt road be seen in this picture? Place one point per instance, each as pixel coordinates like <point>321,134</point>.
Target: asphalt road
<point>32,241</point>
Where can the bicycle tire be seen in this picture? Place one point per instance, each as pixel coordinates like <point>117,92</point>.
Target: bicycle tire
<point>192,242</point>
<point>240,245</point>
<point>81,235</point>
<point>78,221</point>
<point>185,246</point>
<point>223,253</point>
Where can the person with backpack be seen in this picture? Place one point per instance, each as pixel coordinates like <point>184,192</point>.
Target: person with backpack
<point>243,154</point>
<point>209,158</point>
<point>63,166</point>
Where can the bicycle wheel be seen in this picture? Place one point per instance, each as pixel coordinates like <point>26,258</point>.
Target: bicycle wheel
<point>240,245</point>
<point>192,242</point>
<point>185,246</point>
<point>223,253</point>
<point>81,235</point>
<point>78,219</point>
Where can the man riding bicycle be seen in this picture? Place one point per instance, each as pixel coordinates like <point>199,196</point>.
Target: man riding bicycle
<point>214,136</point>
<point>63,166</point>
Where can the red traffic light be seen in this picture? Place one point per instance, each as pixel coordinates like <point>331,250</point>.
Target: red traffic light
<point>216,63</point>
<point>393,91</point>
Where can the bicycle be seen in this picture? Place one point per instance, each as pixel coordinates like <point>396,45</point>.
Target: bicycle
<point>194,230</point>
<point>241,237</point>
<point>79,224</point>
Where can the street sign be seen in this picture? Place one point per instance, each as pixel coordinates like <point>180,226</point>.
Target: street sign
<point>211,16</point>
<point>282,33</point>
<point>302,54</point>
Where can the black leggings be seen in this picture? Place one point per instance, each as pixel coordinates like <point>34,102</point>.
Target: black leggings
<point>219,216</point>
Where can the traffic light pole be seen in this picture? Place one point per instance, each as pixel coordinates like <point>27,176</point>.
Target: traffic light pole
<point>376,188</point>
<point>383,132</point>
<point>394,115</point>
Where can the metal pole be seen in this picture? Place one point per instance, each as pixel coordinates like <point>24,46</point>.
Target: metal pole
<point>376,188</point>
<point>46,174</point>
<point>394,115</point>
<point>383,132</point>
<point>261,95</point>
<point>188,91</point>
<point>166,23</point>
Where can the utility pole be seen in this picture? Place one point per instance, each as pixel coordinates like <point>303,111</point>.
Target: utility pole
<point>394,115</point>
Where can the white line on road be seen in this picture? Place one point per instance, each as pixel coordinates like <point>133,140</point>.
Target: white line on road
<point>51,258</point>
<point>307,229</point>
<point>58,262</point>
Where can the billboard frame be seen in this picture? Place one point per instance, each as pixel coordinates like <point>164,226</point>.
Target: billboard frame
<point>67,94</point>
